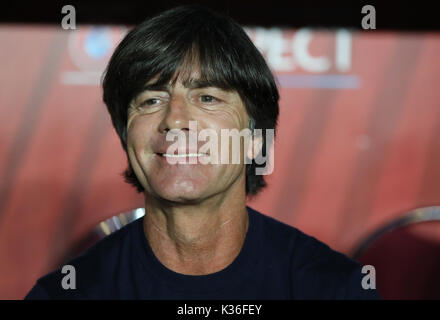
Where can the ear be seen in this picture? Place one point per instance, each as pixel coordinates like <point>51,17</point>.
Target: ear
<point>255,146</point>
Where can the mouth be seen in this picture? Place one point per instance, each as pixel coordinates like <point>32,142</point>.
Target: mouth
<point>182,155</point>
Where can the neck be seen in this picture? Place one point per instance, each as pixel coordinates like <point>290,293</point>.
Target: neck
<point>197,239</point>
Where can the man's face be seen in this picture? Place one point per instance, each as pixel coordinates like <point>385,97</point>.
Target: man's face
<point>158,110</point>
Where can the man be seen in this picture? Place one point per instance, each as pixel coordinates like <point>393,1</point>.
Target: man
<point>198,239</point>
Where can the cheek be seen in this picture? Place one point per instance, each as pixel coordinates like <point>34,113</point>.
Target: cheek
<point>138,136</point>
<point>138,133</point>
<point>227,119</point>
<point>230,144</point>
<point>138,141</point>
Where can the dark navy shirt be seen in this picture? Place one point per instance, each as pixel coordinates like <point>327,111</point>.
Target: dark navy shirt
<point>277,261</point>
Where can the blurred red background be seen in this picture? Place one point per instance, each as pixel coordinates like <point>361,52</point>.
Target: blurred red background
<point>358,142</point>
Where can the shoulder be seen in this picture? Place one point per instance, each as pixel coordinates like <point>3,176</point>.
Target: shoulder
<point>316,271</point>
<point>90,269</point>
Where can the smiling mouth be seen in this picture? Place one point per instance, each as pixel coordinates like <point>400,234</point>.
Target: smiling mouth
<point>184,155</point>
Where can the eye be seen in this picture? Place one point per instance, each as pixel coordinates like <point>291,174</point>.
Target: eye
<point>207,98</point>
<point>150,102</point>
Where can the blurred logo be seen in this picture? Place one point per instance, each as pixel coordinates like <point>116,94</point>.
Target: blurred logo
<point>90,49</point>
<point>300,59</point>
<point>307,58</point>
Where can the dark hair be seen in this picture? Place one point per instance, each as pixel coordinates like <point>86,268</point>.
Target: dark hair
<point>184,35</point>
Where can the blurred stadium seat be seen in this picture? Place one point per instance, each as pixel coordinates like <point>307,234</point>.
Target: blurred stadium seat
<point>406,255</point>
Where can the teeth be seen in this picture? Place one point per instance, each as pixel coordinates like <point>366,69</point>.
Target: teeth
<point>183,155</point>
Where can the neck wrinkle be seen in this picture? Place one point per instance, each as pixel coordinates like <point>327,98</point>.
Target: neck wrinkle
<point>203,254</point>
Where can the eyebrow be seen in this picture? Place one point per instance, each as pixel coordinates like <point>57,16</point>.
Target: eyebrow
<point>189,84</point>
<point>197,84</point>
<point>155,87</point>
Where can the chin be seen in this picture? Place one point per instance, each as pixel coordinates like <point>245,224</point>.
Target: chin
<point>181,191</point>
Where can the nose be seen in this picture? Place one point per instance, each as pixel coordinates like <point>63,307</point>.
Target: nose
<point>177,115</point>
